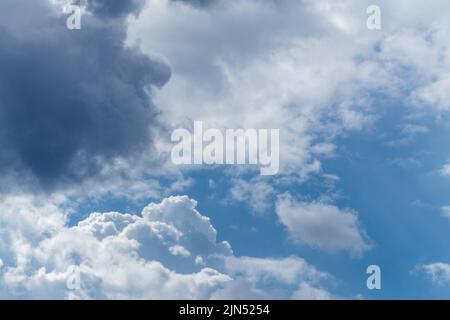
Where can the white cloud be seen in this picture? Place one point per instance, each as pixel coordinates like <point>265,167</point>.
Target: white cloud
<point>288,272</point>
<point>249,64</point>
<point>445,170</point>
<point>178,250</point>
<point>310,68</point>
<point>306,292</point>
<point>321,225</point>
<point>256,192</point>
<point>439,272</point>
<point>445,211</point>
<point>170,251</point>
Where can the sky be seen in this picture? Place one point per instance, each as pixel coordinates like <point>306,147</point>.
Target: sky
<point>93,207</point>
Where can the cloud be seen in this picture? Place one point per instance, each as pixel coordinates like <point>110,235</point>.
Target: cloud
<point>247,64</point>
<point>321,225</point>
<point>445,170</point>
<point>445,211</point>
<point>169,251</point>
<point>197,3</point>
<point>71,101</point>
<point>113,8</point>
<point>439,272</point>
<point>77,107</point>
<point>306,292</point>
<point>257,193</point>
<point>258,278</point>
<point>412,129</point>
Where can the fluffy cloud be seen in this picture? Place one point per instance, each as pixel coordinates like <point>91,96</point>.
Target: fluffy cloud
<point>321,225</point>
<point>256,192</point>
<point>169,251</point>
<point>248,63</point>
<point>306,292</point>
<point>71,102</point>
<point>255,68</point>
<point>257,278</point>
<point>439,272</point>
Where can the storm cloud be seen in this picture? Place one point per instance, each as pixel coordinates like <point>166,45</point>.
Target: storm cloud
<point>72,100</point>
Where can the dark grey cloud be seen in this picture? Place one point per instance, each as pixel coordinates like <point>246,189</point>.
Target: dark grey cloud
<point>70,101</point>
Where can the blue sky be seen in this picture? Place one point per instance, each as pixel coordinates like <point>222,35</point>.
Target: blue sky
<point>89,194</point>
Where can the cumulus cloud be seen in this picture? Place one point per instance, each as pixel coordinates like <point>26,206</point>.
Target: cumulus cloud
<point>168,251</point>
<point>321,225</point>
<point>72,101</point>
